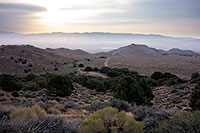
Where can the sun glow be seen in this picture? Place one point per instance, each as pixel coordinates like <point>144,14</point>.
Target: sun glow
<point>61,12</point>
<point>57,17</point>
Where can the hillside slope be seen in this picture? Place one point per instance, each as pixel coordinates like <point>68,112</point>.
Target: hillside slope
<point>143,50</point>
<point>76,54</point>
<point>135,50</point>
<point>15,59</point>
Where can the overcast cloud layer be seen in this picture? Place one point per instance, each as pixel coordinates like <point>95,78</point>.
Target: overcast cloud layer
<point>167,17</point>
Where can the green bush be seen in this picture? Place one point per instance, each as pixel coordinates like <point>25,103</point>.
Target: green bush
<point>156,75</point>
<point>15,94</point>
<point>188,122</point>
<point>146,87</point>
<point>10,83</point>
<point>87,69</point>
<point>61,85</point>
<point>113,73</point>
<point>111,83</point>
<point>95,69</point>
<point>80,65</point>
<point>105,69</point>
<point>166,79</point>
<point>28,113</point>
<point>129,90</point>
<point>109,120</point>
<point>195,98</point>
<point>195,75</point>
<point>93,124</point>
<point>95,84</point>
<point>30,77</point>
<point>41,81</point>
<point>31,86</point>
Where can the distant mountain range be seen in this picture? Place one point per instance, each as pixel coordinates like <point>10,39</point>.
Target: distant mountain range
<point>98,42</point>
<point>143,50</point>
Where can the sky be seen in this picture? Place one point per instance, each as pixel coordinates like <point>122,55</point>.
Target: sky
<point>165,17</point>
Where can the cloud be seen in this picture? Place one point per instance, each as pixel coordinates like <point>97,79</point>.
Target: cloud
<point>25,7</point>
<point>157,16</point>
<point>18,17</point>
<point>151,11</point>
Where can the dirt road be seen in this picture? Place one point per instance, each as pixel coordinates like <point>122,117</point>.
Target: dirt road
<point>92,73</point>
<point>106,62</point>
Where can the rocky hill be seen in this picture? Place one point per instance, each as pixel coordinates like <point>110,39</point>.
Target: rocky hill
<point>143,50</point>
<point>22,59</point>
<point>76,54</point>
<point>176,51</point>
<point>135,50</point>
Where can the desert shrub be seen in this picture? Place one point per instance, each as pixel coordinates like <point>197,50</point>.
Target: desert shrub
<point>50,124</point>
<point>31,86</point>
<point>53,110</point>
<point>105,69</point>
<point>156,75</point>
<point>27,113</point>
<point>24,61</point>
<point>70,104</point>
<point>113,73</point>
<point>97,106</point>
<point>80,65</point>
<point>10,83</point>
<point>15,94</point>
<point>61,85</point>
<point>195,98</point>
<point>95,84</point>
<point>30,65</point>
<point>5,110</point>
<point>25,71</point>
<point>180,123</point>
<point>93,124</point>
<point>95,69</point>
<point>81,79</point>
<point>111,83</point>
<point>151,116</point>
<point>146,87</point>
<point>41,81</point>
<point>176,100</point>
<point>125,71</point>
<point>44,105</point>
<point>195,75</point>
<point>171,81</point>
<point>56,69</point>
<point>166,78</point>
<point>129,90</point>
<point>29,77</point>
<point>121,105</point>
<point>87,69</point>
<point>110,120</point>
<point>102,57</point>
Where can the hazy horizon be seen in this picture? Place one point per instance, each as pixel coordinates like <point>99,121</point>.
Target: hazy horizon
<point>98,41</point>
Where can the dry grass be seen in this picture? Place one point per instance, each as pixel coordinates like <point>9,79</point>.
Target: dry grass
<point>6,109</point>
<point>53,110</point>
<point>179,65</point>
<point>34,112</point>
